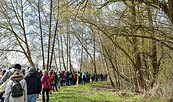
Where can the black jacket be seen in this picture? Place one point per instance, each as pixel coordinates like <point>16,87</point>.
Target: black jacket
<point>33,83</point>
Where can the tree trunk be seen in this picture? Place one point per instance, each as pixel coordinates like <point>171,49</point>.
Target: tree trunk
<point>107,68</point>
<point>59,53</point>
<point>49,38</point>
<point>94,54</point>
<point>154,51</point>
<point>67,45</point>
<point>56,65</point>
<point>62,53</point>
<point>139,74</point>
<point>41,34</point>
<point>29,56</point>
<point>53,45</point>
<point>170,3</point>
<point>82,42</point>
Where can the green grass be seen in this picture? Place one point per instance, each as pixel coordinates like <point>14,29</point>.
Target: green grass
<point>89,93</point>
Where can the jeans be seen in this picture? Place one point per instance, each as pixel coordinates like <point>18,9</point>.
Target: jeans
<point>32,98</point>
<point>2,100</point>
<point>53,87</point>
<point>67,81</point>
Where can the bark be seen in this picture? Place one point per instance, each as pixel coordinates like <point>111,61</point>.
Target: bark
<point>62,54</point>
<point>154,51</point>
<point>170,3</point>
<point>49,38</point>
<point>81,59</point>
<point>59,49</point>
<point>139,74</point>
<point>110,78</point>
<point>115,71</point>
<point>41,34</point>
<point>67,45</point>
<point>56,65</point>
<point>53,45</point>
<point>107,66</point>
<point>59,53</point>
<point>94,55</point>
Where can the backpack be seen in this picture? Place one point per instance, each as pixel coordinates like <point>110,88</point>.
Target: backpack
<point>74,76</point>
<point>17,89</point>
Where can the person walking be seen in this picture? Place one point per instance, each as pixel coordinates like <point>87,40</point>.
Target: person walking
<point>46,86</point>
<point>52,80</point>
<point>5,78</point>
<point>16,90</point>
<point>33,85</point>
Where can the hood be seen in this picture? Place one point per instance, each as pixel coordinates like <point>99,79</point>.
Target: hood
<point>16,76</point>
<point>31,74</point>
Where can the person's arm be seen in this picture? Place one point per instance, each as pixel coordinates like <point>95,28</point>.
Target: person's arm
<point>25,90</point>
<point>39,84</point>
<point>8,91</point>
<point>5,76</point>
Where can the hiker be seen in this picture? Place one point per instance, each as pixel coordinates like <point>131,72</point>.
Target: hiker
<point>46,86</point>
<point>59,80</point>
<point>84,78</point>
<point>56,80</point>
<point>70,78</point>
<point>5,77</point>
<point>74,78</point>
<point>101,76</point>
<point>33,85</point>
<point>67,78</point>
<point>52,79</point>
<point>16,90</point>
<point>92,77</point>
<point>62,78</point>
<point>80,77</point>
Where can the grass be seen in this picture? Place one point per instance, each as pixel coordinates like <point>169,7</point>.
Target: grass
<point>93,93</point>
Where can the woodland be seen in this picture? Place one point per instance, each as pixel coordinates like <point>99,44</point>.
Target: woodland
<point>130,40</point>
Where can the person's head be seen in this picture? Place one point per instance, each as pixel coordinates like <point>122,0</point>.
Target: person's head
<point>50,72</point>
<point>40,72</point>
<point>37,69</point>
<point>32,70</point>
<point>23,71</point>
<point>45,72</point>
<point>17,66</point>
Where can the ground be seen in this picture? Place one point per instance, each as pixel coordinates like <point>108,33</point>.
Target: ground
<point>96,92</point>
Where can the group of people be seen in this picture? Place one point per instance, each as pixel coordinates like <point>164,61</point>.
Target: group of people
<point>25,85</point>
<point>70,77</point>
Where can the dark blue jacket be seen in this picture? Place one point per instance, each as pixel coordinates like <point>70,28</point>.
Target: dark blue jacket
<point>33,83</point>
